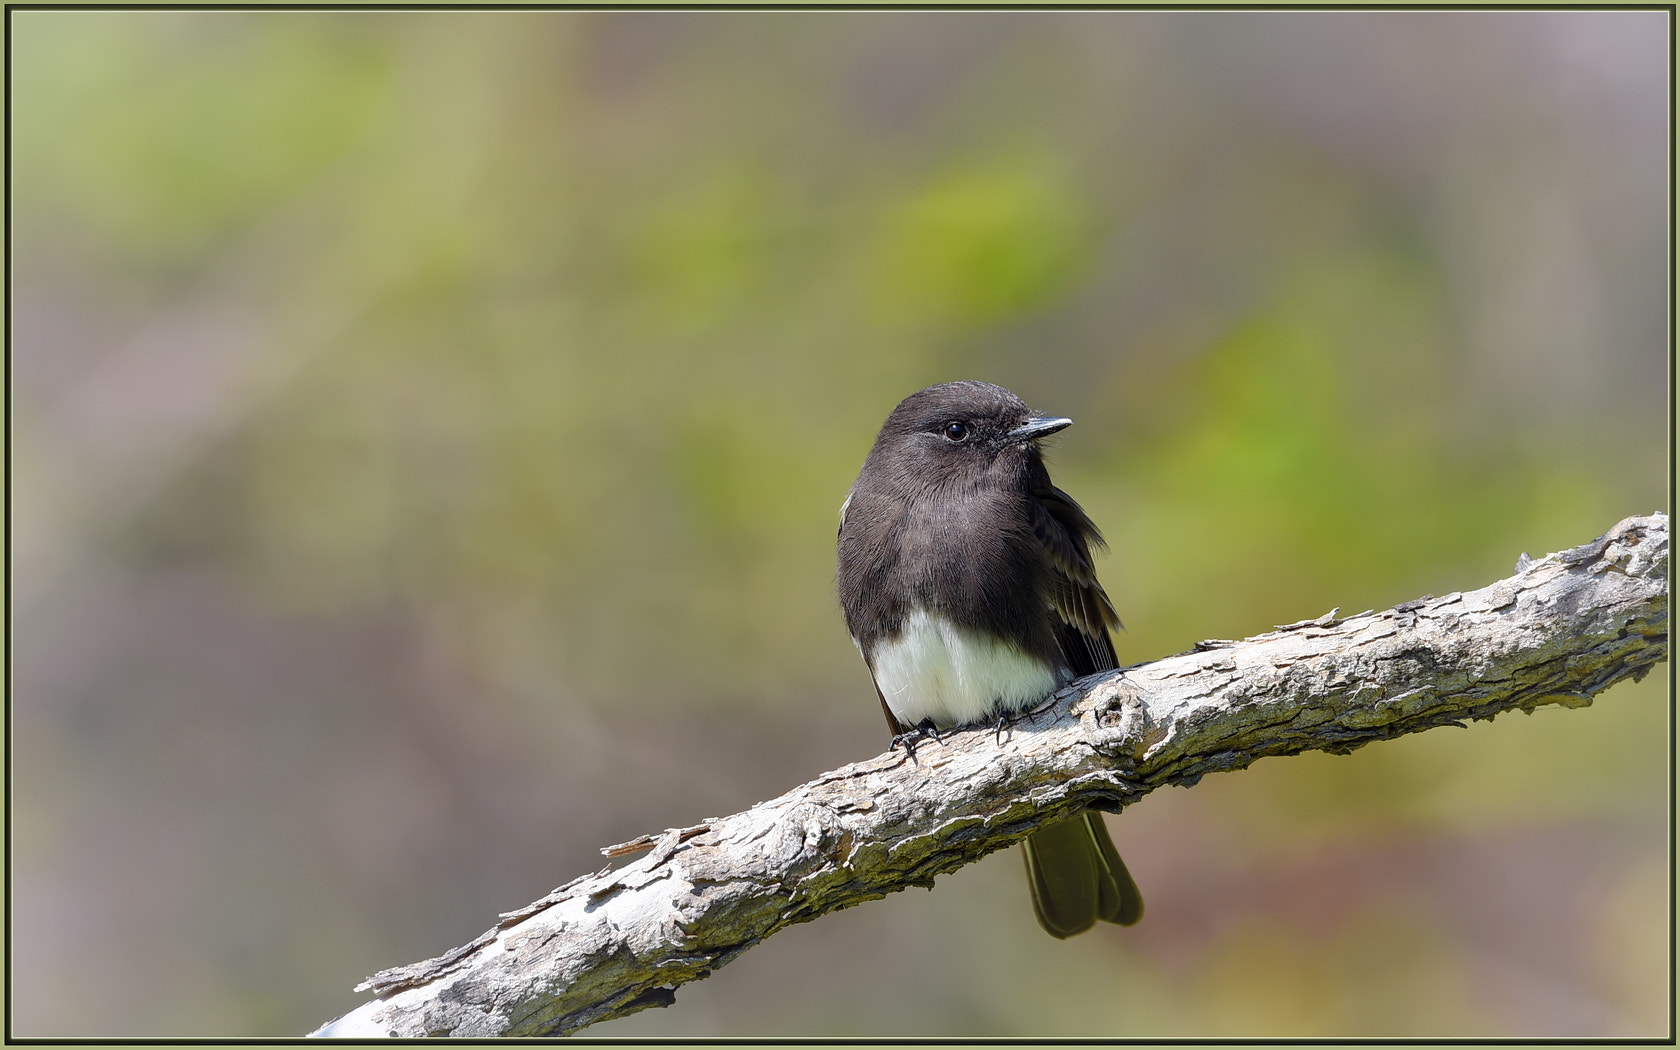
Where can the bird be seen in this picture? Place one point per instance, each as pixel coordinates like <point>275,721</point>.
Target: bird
<point>966,581</point>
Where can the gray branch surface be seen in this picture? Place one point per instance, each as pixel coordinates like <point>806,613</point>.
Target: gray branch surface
<point>605,945</point>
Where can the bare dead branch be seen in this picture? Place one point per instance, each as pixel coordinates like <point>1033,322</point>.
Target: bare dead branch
<point>1560,631</point>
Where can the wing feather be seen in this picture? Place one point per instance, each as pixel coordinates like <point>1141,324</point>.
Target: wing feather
<point>1066,534</point>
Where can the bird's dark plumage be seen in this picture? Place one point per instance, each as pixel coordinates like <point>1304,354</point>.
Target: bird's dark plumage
<point>967,584</point>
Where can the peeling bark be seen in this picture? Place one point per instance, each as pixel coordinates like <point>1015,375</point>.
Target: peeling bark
<point>1559,631</point>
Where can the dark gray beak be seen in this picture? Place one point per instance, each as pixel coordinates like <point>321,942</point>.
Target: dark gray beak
<point>1038,427</point>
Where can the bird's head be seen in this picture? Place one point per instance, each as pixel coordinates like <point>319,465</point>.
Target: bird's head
<point>969,428</point>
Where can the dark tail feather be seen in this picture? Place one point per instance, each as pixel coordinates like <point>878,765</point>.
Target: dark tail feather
<point>1077,877</point>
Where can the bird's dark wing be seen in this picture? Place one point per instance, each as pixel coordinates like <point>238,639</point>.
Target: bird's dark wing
<point>1067,534</point>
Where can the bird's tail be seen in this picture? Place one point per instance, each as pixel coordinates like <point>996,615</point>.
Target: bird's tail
<point>1077,877</point>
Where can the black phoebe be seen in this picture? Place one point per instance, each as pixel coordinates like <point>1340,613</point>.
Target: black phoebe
<point>967,584</point>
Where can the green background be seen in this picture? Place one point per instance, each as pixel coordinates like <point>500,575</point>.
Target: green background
<point>429,429</point>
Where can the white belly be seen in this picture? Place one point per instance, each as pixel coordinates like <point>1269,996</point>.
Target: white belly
<point>935,669</point>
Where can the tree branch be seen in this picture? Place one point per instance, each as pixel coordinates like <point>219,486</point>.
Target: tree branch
<point>605,945</point>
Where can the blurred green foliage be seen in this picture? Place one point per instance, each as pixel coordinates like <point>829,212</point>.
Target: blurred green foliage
<point>430,427</point>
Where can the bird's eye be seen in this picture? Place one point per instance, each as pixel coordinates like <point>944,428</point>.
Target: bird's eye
<point>956,431</point>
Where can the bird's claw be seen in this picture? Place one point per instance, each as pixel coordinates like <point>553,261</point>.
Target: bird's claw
<point>925,728</point>
<point>1004,719</point>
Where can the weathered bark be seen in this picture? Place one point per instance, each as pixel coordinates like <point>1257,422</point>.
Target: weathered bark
<point>1558,632</point>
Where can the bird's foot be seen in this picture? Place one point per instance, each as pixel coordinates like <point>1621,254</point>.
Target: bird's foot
<point>1006,719</point>
<point>923,730</point>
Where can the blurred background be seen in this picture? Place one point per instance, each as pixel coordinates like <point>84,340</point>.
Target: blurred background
<point>428,431</point>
